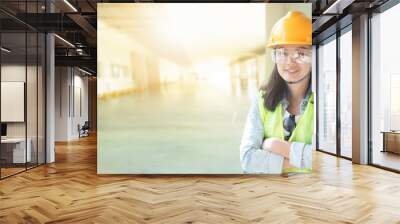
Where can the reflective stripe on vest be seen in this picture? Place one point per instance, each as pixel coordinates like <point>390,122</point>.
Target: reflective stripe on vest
<point>273,125</point>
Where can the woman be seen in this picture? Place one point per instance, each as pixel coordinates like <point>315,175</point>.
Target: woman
<point>278,133</point>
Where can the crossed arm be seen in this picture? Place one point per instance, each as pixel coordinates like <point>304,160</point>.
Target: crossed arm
<point>271,155</point>
<point>279,147</point>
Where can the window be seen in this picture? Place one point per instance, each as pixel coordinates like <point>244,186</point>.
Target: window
<point>346,94</point>
<point>327,96</point>
<point>385,89</point>
<point>22,65</point>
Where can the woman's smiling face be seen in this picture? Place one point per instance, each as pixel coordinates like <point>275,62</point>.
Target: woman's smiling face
<point>293,62</point>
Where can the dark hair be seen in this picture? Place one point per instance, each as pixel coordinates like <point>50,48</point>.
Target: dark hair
<point>274,90</point>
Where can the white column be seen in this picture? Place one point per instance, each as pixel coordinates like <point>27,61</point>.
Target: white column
<point>50,99</point>
<point>360,90</point>
<point>50,92</point>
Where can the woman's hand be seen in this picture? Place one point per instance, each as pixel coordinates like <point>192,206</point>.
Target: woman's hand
<point>277,146</point>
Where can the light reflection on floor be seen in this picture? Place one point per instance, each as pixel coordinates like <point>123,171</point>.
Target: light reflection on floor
<point>179,128</point>
<point>386,159</point>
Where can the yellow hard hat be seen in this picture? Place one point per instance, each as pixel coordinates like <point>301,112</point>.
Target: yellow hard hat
<point>293,29</point>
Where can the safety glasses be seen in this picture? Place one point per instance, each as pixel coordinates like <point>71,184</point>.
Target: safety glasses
<point>289,124</point>
<point>297,55</point>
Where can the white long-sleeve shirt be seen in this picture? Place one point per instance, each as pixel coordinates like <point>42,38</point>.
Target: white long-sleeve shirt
<point>256,160</point>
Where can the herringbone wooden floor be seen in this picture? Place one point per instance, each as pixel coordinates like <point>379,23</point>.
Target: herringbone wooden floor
<point>70,191</point>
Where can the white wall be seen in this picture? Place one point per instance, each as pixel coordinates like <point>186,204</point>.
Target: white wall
<point>61,103</point>
<point>261,68</point>
<point>124,64</point>
<point>70,83</point>
<point>115,53</point>
<point>79,117</point>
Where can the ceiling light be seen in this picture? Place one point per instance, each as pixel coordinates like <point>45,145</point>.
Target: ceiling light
<point>70,5</point>
<point>64,40</point>
<point>84,71</point>
<point>338,6</point>
<point>5,50</point>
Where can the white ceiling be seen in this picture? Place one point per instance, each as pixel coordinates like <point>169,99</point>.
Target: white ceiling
<point>190,33</point>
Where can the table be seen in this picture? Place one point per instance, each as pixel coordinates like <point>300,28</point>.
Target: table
<point>17,150</point>
<point>391,141</point>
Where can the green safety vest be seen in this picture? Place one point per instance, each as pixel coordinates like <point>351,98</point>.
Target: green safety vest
<point>273,126</point>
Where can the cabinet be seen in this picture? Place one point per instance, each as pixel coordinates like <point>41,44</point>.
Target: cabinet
<point>391,141</point>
